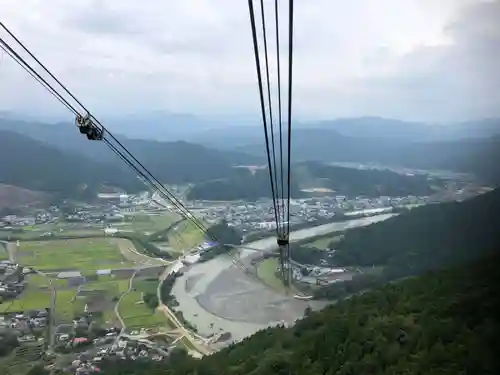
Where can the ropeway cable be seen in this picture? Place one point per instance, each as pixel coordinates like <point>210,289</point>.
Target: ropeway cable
<point>146,175</point>
<point>289,155</point>
<point>283,228</point>
<point>271,119</point>
<point>263,109</point>
<point>149,177</point>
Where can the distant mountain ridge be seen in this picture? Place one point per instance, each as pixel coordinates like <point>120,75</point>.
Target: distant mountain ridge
<point>184,162</point>
<point>377,127</point>
<point>474,155</point>
<point>34,165</point>
<point>170,162</point>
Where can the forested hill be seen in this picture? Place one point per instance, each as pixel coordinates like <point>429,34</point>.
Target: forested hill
<point>354,182</point>
<point>31,164</point>
<point>170,162</point>
<point>342,180</point>
<point>242,184</point>
<point>426,237</point>
<point>444,323</point>
<point>475,156</point>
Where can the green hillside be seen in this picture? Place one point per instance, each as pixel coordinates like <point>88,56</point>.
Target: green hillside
<point>444,322</point>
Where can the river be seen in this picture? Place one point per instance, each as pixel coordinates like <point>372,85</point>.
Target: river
<point>217,297</point>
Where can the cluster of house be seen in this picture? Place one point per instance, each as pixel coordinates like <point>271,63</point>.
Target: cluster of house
<point>41,217</point>
<point>26,326</point>
<point>81,366</point>
<point>89,362</point>
<point>67,334</point>
<point>11,275</point>
<point>126,348</point>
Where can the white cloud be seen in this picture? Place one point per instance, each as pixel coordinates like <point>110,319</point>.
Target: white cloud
<point>416,59</point>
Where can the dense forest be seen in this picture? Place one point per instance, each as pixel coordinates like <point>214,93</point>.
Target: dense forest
<point>241,185</point>
<point>420,240</point>
<point>444,322</point>
<point>470,155</point>
<point>33,165</point>
<point>351,182</point>
<point>170,162</point>
<point>369,182</point>
<point>224,233</point>
<point>425,237</point>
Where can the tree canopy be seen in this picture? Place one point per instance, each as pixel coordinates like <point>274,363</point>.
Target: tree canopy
<point>444,322</point>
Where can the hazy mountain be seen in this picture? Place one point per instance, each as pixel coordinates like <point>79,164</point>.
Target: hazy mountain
<point>246,185</point>
<point>55,158</point>
<point>363,127</point>
<point>172,162</point>
<point>474,155</point>
<point>376,127</point>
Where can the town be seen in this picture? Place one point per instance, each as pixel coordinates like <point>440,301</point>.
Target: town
<point>104,300</point>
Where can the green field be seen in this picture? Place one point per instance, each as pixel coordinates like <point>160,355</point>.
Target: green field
<point>136,314</point>
<point>60,228</point>
<point>68,304</point>
<point>146,285</point>
<point>37,296</point>
<point>33,300</point>
<point>323,242</point>
<point>113,287</point>
<point>148,223</point>
<point>4,254</point>
<point>86,254</point>
<point>35,282</point>
<point>266,271</point>
<point>185,236</point>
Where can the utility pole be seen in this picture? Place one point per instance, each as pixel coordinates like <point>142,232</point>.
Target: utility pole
<point>52,314</point>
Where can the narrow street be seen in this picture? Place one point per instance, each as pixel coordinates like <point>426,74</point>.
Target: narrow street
<point>117,306</point>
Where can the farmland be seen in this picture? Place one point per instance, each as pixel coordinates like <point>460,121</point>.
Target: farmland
<point>86,254</point>
<point>38,299</point>
<point>147,223</point>
<point>266,271</point>
<point>324,242</point>
<point>184,236</point>
<point>99,296</point>
<point>4,254</point>
<point>135,313</point>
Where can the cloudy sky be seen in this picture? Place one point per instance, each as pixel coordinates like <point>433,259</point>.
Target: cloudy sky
<point>409,59</point>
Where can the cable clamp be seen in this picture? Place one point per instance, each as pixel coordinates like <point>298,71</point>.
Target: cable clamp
<point>283,241</point>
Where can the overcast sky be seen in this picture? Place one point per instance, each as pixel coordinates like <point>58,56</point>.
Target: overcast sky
<point>432,60</point>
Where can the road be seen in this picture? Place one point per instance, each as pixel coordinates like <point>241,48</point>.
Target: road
<point>11,250</point>
<point>117,306</point>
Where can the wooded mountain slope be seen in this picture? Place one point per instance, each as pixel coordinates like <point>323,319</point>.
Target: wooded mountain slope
<point>31,164</point>
<point>445,322</point>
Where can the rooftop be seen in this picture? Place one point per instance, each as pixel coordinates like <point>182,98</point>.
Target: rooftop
<point>68,274</point>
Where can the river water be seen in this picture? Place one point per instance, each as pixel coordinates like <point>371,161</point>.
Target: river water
<point>217,297</point>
